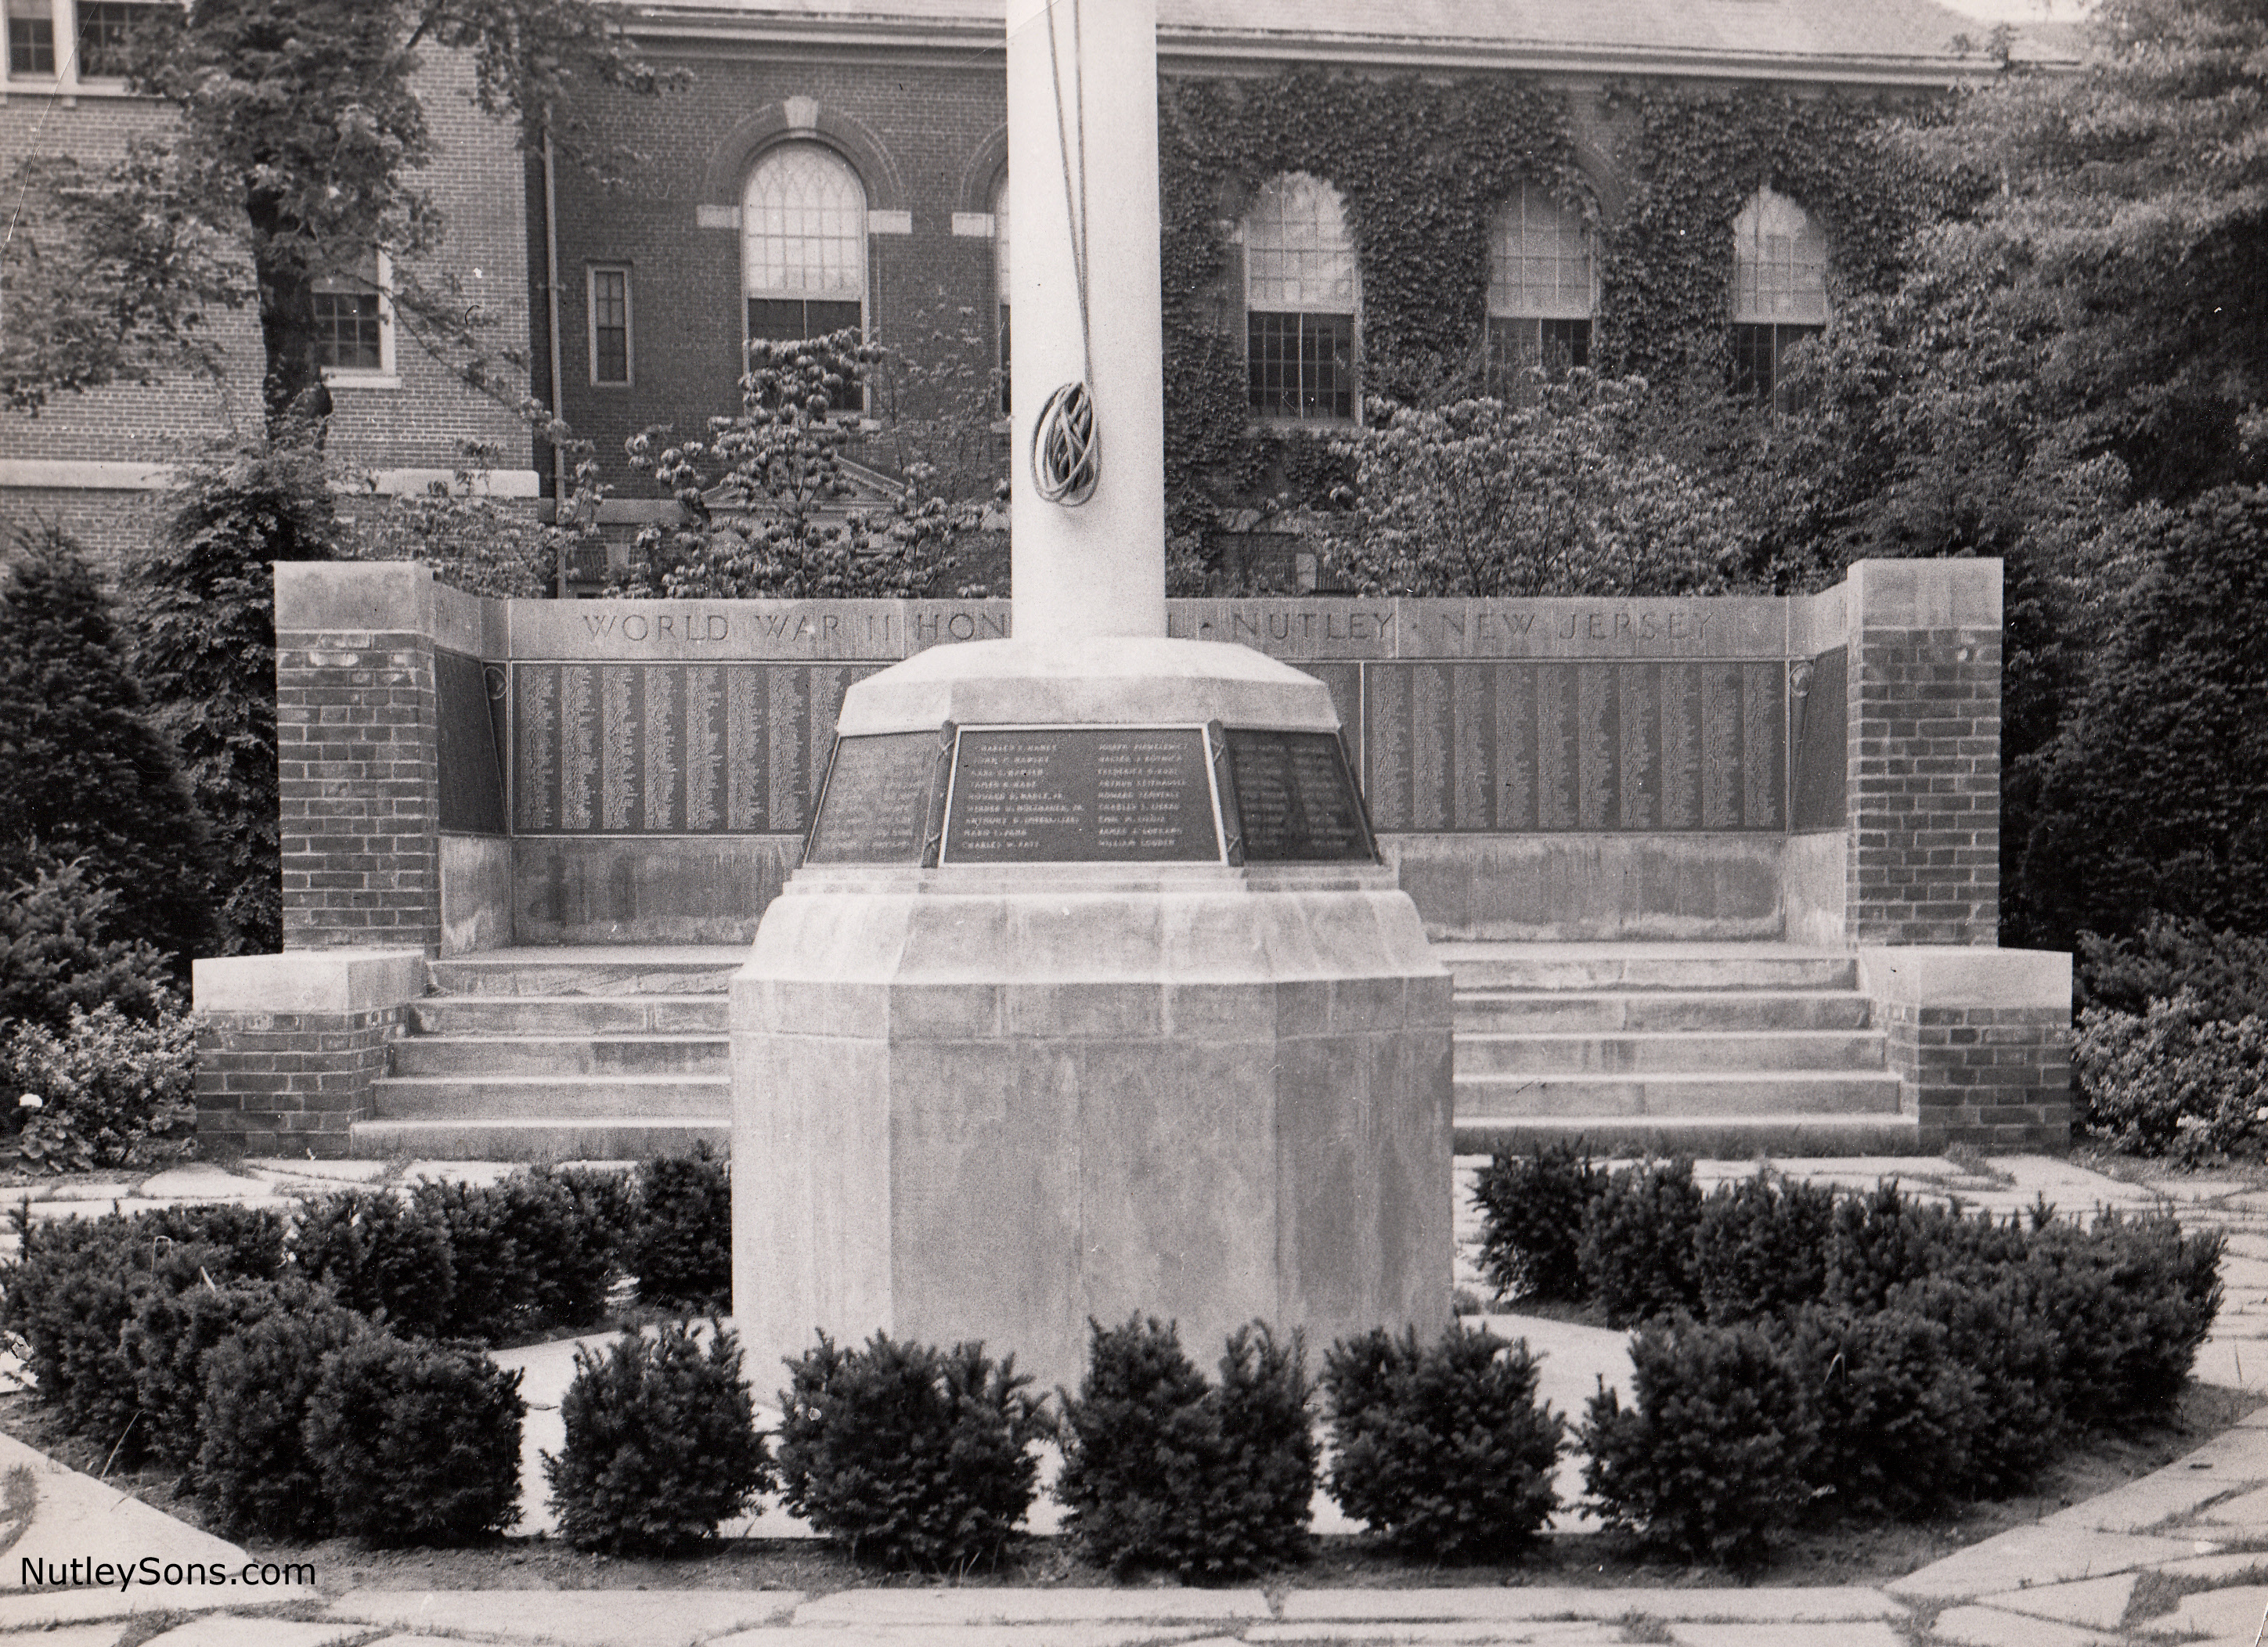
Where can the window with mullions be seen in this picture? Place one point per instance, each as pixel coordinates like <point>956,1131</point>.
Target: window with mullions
<point>1300,298</point>
<point>803,248</point>
<point>1779,292</point>
<point>1542,291</point>
<point>104,30</point>
<point>610,325</point>
<point>31,37</point>
<point>351,318</point>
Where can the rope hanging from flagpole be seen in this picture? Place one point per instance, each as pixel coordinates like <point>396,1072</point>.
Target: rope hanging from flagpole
<point>1066,462</point>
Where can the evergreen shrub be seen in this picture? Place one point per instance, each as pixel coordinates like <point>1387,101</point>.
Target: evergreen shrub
<point>2129,1301</point>
<point>1636,1242</point>
<point>254,1471</point>
<point>1717,1455</point>
<point>414,1442</point>
<point>907,1454</point>
<point>61,947</point>
<point>1760,1247</point>
<point>1899,1418</point>
<point>681,1248</point>
<point>1995,1329</point>
<point>661,1443</point>
<point>165,1344</point>
<point>1532,1208</point>
<point>386,1257</point>
<point>1162,1471</point>
<point>1441,1447</point>
<point>2225,971</point>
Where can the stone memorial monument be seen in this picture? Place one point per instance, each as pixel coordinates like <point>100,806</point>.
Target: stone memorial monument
<point>1092,995</point>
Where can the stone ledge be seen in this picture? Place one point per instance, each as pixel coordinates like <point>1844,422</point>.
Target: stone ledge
<point>325,981</point>
<point>1947,974</point>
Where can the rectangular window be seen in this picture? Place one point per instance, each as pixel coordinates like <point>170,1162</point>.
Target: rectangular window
<point>1516,348</point>
<point>610,325</point>
<point>790,320</point>
<point>31,37</point>
<point>1300,365</point>
<point>1758,351</point>
<point>351,320</point>
<point>103,29</point>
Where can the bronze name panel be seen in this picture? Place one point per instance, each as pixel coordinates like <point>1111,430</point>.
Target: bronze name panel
<point>1296,800</point>
<point>880,789</point>
<point>1081,794</point>
<point>1550,748</point>
<point>672,748</point>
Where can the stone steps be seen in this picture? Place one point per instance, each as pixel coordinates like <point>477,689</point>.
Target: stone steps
<point>560,1055</point>
<point>1723,1048</point>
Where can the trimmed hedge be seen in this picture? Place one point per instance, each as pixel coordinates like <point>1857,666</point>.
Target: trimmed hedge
<point>1637,1244</point>
<point>909,1455</point>
<point>1442,1447</point>
<point>255,1469</point>
<point>681,1241</point>
<point>1532,1208</point>
<point>415,1443</point>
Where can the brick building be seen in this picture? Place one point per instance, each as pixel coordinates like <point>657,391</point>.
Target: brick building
<point>93,461</point>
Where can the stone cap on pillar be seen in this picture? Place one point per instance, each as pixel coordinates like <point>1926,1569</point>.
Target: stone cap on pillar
<point>386,597</point>
<point>329,981</point>
<point>1969,975</point>
<point>1926,594</point>
<point>1101,680</point>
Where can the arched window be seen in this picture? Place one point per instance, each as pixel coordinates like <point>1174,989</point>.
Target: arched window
<point>1780,289</point>
<point>1542,290</point>
<point>1000,277</point>
<point>803,243</point>
<point>1300,301</point>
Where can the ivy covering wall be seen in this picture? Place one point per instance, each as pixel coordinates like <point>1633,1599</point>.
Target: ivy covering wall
<point>1421,166</point>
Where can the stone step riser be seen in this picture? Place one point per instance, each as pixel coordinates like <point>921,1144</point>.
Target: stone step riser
<point>546,1138</point>
<point>501,1015</point>
<point>478,1055</point>
<point>1827,1051</point>
<point>1610,973</point>
<point>590,977</point>
<point>588,1098</point>
<point>1716,1138</point>
<point>1482,1098</point>
<point>1646,1014</point>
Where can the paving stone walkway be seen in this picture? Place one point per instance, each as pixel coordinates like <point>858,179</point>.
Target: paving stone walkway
<point>2177,1557</point>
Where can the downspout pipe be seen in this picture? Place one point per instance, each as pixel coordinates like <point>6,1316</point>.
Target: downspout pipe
<point>551,304</point>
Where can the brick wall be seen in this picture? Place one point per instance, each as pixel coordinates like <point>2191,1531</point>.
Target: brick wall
<point>289,1082</point>
<point>1997,1077</point>
<point>355,723</point>
<point>1924,753</point>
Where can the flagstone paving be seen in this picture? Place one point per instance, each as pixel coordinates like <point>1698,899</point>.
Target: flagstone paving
<point>2197,1529</point>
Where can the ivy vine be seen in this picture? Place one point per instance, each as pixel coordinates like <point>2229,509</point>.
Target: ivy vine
<point>1421,166</point>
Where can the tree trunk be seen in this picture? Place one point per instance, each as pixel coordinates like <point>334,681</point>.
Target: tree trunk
<point>292,392</point>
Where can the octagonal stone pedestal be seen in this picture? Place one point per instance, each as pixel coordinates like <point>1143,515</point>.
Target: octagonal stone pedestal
<point>991,1101</point>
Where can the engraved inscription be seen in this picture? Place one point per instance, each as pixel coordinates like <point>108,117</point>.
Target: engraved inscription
<point>536,747</point>
<point>877,804</point>
<point>1084,794</point>
<point>1296,798</point>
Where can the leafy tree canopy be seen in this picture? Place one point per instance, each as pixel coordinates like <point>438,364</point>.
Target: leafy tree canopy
<point>300,152</point>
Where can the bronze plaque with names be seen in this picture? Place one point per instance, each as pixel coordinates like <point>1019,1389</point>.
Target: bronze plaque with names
<point>877,804</point>
<point>1081,794</point>
<point>1295,800</point>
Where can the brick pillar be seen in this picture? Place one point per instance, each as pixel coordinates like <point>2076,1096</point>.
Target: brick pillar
<point>288,1045</point>
<point>1924,751</point>
<point>356,730</point>
<point>1980,1041</point>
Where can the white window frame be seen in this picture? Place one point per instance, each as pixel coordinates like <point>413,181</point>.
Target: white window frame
<point>1353,312</point>
<point>1508,300</point>
<point>590,274</point>
<point>750,222</point>
<point>1798,312</point>
<point>385,376</point>
<point>66,81</point>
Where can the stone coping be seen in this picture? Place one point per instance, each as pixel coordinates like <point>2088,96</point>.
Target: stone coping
<point>1946,975</point>
<point>307,981</point>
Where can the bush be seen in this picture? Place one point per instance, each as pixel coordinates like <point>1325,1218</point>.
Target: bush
<point>1760,1247</point>
<point>909,1455</point>
<point>2174,1077</point>
<point>1444,1448</point>
<point>566,1231</point>
<point>85,771</point>
<point>1881,1241</point>
<point>1899,1417</point>
<point>2224,972</point>
<point>60,949</point>
<point>111,1092</point>
<point>1161,1471</point>
<point>254,1471</point>
<point>681,1249</point>
<point>1531,1211</point>
<point>1636,1243</point>
<point>661,1443</point>
<point>1717,1456</point>
<point>388,1258</point>
<point>2129,1301</point>
<point>415,1443</point>
<point>165,1344</point>
<point>1994,1329</point>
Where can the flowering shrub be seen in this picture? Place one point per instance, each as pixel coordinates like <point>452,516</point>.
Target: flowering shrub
<point>2172,1078</point>
<point>107,1092</point>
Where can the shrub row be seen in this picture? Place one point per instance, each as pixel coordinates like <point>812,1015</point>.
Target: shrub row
<point>1801,1348</point>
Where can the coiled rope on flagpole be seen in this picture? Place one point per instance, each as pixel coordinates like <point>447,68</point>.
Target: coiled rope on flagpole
<point>1066,460</point>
